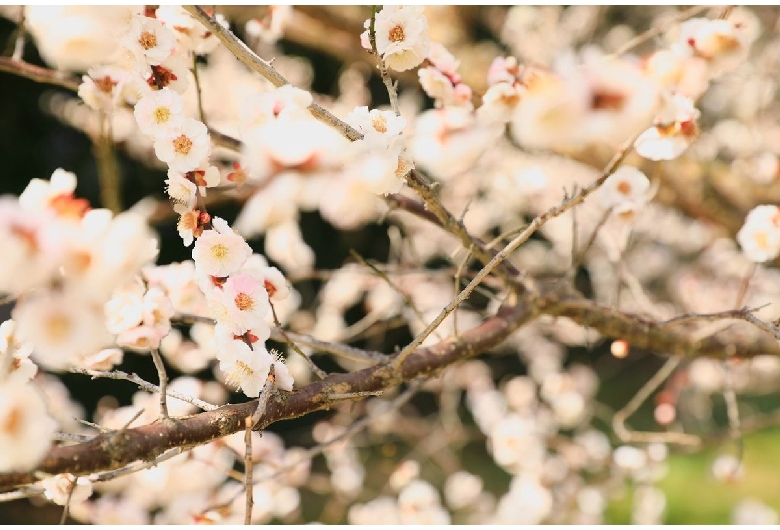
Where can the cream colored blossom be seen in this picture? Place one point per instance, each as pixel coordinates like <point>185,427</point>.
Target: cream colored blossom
<point>220,251</point>
<point>26,429</point>
<point>402,36</point>
<point>184,148</point>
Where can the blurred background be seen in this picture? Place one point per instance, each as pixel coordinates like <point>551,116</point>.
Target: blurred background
<point>318,45</point>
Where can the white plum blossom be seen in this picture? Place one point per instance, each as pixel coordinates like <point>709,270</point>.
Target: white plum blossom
<point>62,327</point>
<point>443,60</point>
<point>504,70</point>
<point>21,368</point>
<point>723,44</point>
<point>184,148</point>
<point>241,305</point>
<point>220,251</point>
<point>66,489</point>
<point>675,129</point>
<point>125,310</point>
<point>26,429</point>
<point>76,37</point>
<point>401,36</point>
<point>102,87</point>
<point>188,225</point>
<point>181,190</point>
<point>462,489</point>
<point>449,140</point>
<point>41,194</point>
<point>303,146</point>
<point>103,360</point>
<point>285,102</point>
<point>172,73</point>
<point>759,236</point>
<point>438,86</point>
<point>149,39</point>
<point>283,379</point>
<point>189,32</point>
<point>244,367</point>
<point>380,128</point>
<point>626,186</point>
<point>500,102</point>
<point>160,112</point>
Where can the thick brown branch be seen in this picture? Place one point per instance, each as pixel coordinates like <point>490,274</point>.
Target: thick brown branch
<point>109,451</point>
<point>149,441</point>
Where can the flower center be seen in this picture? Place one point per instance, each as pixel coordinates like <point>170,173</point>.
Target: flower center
<point>219,251</point>
<point>162,114</point>
<point>624,187</point>
<point>396,34</point>
<point>240,372</point>
<point>147,40</point>
<point>244,302</point>
<point>13,421</point>
<point>58,328</point>
<point>182,145</point>
<point>380,123</point>
<point>762,241</point>
<point>105,84</point>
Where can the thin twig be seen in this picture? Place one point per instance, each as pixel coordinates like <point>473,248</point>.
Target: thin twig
<point>244,54</point>
<point>262,399</point>
<point>115,435</point>
<point>158,363</point>
<point>353,429</point>
<point>66,508</point>
<point>100,428</point>
<point>198,88</point>
<point>589,243</point>
<point>342,350</point>
<point>248,469</point>
<point>70,437</point>
<point>145,385</point>
<point>135,468</point>
<point>619,419</point>
<point>743,313</point>
<point>391,91</point>
<point>537,223</point>
<point>407,300</point>
<point>355,395</point>
<point>657,30</point>
<point>314,368</point>
<point>23,492</point>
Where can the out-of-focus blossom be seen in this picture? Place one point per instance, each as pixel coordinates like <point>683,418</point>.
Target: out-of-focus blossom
<point>759,236</point>
<point>66,489</point>
<point>675,129</point>
<point>723,44</point>
<point>625,187</point>
<point>449,141</point>
<point>74,37</point>
<point>26,429</point>
<point>102,88</point>
<point>62,326</point>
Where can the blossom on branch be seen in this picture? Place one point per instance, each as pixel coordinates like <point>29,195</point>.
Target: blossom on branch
<point>401,36</point>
